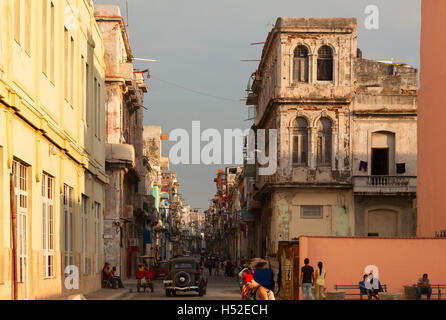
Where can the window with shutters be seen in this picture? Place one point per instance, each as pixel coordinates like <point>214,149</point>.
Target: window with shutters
<point>48,225</point>
<point>97,235</point>
<point>20,173</point>
<point>300,64</point>
<point>311,212</point>
<point>68,224</point>
<point>300,141</point>
<point>325,64</point>
<point>85,256</point>
<point>324,142</point>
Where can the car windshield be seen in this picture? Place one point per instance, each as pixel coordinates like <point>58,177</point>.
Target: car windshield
<point>184,265</point>
<point>162,265</point>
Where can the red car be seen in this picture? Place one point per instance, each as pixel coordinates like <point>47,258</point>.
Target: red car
<point>161,269</point>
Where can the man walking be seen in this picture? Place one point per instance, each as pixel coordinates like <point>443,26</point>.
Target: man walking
<point>307,280</point>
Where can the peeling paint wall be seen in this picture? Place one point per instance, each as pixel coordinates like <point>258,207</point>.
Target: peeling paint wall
<point>364,97</point>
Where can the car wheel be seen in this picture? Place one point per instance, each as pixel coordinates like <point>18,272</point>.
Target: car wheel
<point>174,293</point>
<point>167,293</point>
<point>201,292</point>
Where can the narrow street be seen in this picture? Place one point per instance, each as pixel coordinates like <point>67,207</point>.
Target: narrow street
<point>219,288</point>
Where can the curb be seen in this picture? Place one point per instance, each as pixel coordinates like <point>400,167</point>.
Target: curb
<point>115,296</point>
<point>118,295</point>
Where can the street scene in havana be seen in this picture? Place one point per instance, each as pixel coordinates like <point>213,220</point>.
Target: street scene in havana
<point>227,151</point>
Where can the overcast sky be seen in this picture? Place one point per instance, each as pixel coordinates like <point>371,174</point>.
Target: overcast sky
<point>198,45</point>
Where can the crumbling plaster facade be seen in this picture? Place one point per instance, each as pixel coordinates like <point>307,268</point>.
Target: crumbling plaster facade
<point>362,98</point>
<point>125,195</point>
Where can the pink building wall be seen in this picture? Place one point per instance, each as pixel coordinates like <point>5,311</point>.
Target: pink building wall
<point>431,189</point>
<point>400,261</point>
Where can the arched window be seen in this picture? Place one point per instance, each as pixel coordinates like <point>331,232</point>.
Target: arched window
<point>325,64</point>
<point>324,142</point>
<point>300,141</point>
<point>300,68</point>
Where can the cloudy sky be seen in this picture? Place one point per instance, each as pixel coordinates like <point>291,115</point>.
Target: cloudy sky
<point>198,45</point>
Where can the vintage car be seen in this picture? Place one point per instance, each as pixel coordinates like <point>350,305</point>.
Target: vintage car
<point>184,275</point>
<point>160,269</point>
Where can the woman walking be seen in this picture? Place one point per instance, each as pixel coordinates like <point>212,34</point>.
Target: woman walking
<point>320,282</point>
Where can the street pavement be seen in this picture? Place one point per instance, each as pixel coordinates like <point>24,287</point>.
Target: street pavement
<point>219,288</point>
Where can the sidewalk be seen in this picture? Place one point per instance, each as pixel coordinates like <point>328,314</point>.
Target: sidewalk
<point>108,294</point>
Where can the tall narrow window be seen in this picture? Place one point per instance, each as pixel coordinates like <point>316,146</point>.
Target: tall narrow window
<point>87,95</point>
<point>66,64</point>
<point>52,36</point>
<point>20,173</point>
<point>45,36</point>
<point>325,64</point>
<point>299,133</point>
<point>28,27</point>
<point>97,235</point>
<point>17,20</point>
<point>83,88</point>
<point>96,107</point>
<point>85,234</point>
<point>324,144</point>
<point>300,71</point>
<point>68,224</point>
<point>71,78</point>
<point>48,224</point>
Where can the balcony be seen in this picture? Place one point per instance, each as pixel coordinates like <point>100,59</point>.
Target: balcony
<point>385,184</point>
<point>123,154</point>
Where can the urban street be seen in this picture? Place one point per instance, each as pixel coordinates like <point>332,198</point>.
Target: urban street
<point>294,146</point>
<point>219,288</point>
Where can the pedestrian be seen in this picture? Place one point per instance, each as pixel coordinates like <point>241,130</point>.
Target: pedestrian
<point>362,288</point>
<point>246,277</point>
<point>107,275</point>
<point>209,265</point>
<point>117,278</point>
<point>217,268</point>
<point>373,286</point>
<point>424,287</point>
<point>320,282</point>
<point>307,279</point>
<point>255,290</point>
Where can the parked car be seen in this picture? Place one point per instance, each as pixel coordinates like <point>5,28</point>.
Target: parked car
<point>185,275</point>
<point>161,269</point>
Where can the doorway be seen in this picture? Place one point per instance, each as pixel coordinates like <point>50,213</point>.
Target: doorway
<point>382,223</point>
<point>380,161</point>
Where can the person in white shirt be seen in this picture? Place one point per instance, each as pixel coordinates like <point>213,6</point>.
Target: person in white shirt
<point>372,286</point>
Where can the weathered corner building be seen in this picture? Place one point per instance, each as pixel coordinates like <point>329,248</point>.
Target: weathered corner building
<point>346,146</point>
<point>127,203</point>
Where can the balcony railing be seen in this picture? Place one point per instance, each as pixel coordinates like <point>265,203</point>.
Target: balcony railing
<point>385,184</point>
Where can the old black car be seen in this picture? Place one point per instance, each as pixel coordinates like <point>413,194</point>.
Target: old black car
<point>184,275</point>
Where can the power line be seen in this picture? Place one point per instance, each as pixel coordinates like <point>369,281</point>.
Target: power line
<point>194,91</point>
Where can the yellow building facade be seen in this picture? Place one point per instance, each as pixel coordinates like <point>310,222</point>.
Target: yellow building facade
<point>52,134</point>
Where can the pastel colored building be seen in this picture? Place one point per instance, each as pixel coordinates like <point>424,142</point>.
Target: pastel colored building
<point>432,114</point>
<point>397,262</point>
<point>52,146</point>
